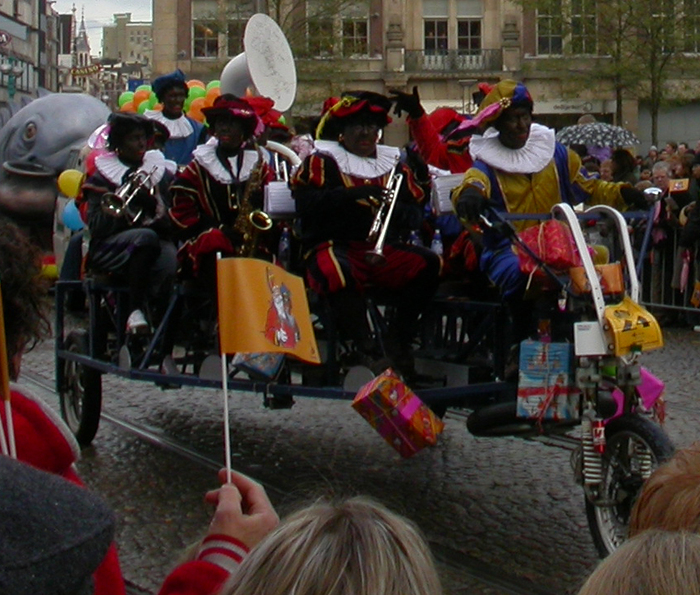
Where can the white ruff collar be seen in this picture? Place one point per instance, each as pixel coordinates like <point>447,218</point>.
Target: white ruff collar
<point>206,156</point>
<point>532,158</point>
<point>361,167</point>
<point>109,165</point>
<point>178,128</point>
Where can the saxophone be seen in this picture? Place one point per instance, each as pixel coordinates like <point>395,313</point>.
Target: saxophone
<point>249,221</point>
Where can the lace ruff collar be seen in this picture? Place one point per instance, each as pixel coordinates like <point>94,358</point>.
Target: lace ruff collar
<point>532,158</point>
<point>109,165</point>
<point>361,167</point>
<point>206,156</point>
<point>178,128</point>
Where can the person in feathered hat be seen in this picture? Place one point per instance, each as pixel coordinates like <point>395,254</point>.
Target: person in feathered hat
<point>209,194</point>
<point>337,190</point>
<point>185,132</point>
<point>520,168</point>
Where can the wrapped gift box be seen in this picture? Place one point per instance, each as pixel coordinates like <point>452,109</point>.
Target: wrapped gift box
<point>546,382</point>
<point>396,412</point>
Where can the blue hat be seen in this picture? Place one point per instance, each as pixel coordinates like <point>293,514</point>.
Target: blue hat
<point>165,82</point>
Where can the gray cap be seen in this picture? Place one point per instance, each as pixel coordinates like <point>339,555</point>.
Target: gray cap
<point>53,534</point>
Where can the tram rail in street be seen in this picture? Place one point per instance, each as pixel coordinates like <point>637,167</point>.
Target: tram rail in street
<point>485,574</point>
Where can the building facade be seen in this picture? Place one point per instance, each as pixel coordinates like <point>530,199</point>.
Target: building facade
<point>127,41</point>
<point>445,47</point>
<point>28,49</point>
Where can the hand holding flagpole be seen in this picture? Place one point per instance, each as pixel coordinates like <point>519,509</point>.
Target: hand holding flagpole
<point>7,443</point>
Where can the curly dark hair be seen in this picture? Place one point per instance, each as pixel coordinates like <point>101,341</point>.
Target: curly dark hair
<point>24,292</point>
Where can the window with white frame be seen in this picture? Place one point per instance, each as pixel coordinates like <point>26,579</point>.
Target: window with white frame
<point>584,28</point>
<point>550,29</point>
<point>691,13</point>
<point>217,23</point>
<point>469,27</point>
<point>340,28</point>
<point>436,16</point>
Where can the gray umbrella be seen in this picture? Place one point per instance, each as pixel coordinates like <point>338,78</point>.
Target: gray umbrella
<point>599,134</point>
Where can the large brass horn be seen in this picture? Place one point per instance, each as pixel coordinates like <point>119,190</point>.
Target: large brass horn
<point>266,66</point>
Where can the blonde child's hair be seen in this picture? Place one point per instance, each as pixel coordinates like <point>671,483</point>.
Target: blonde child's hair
<point>353,547</point>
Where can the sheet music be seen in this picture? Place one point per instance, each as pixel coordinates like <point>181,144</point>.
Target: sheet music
<point>279,203</point>
<point>442,187</point>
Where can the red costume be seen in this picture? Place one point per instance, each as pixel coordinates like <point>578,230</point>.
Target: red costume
<point>45,442</point>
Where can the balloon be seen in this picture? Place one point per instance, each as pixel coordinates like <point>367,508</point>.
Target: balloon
<point>195,83</point>
<point>196,115</point>
<point>211,95</point>
<point>69,182</point>
<point>152,100</point>
<point>186,106</point>
<point>125,97</point>
<point>213,84</point>
<point>71,216</point>
<point>140,96</point>
<point>196,92</point>
<point>143,106</point>
<point>128,107</point>
<point>282,120</point>
<point>158,107</point>
<point>143,88</point>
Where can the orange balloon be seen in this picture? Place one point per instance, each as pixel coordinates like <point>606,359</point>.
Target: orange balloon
<point>211,95</point>
<point>196,105</point>
<point>128,107</point>
<point>140,96</point>
<point>158,107</point>
<point>196,83</point>
<point>196,115</point>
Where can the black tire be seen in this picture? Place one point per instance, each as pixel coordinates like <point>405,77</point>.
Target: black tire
<point>626,438</point>
<point>81,393</point>
<point>500,420</point>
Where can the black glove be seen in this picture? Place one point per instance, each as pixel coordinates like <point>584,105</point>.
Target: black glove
<point>634,198</point>
<point>471,205</point>
<point>417,165</point>
<point>407,102</point>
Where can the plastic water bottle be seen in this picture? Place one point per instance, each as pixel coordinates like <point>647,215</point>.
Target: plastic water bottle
<point>436,244</point>
<point>414,239</point>
<point>284,251</point>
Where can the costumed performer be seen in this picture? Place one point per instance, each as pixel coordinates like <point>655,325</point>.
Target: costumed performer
<point>337,190</point>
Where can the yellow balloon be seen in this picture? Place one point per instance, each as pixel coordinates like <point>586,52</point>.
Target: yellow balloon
<point>69,182</point>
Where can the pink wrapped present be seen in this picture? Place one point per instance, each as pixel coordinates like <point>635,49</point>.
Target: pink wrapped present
<point>396,412</point>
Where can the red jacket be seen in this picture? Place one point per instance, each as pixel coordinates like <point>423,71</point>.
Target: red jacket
<point>45,442</point>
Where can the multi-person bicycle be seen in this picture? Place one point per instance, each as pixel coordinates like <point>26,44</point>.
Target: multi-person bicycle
<point>580,376</point>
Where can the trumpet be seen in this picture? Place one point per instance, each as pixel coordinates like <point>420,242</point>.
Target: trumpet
<point>380,224</point>
<point>119,202</point>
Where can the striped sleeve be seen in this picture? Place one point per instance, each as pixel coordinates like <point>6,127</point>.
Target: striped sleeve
<point>222,550</point>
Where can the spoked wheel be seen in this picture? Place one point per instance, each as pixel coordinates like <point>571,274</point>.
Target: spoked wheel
<point>635,447</point>
<point>81,392</point>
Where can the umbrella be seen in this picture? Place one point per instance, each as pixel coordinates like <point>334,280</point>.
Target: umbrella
<point>599,134</point>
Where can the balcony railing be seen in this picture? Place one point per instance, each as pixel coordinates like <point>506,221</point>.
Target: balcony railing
<point>453,60</point>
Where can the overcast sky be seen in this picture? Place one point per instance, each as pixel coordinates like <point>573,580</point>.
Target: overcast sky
<point>98,13</point>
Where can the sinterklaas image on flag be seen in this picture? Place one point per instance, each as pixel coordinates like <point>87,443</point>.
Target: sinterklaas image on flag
<point>263,308</point>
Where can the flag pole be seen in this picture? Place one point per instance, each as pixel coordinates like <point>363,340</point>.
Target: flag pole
<point>224,384</point>
<point>6,443</point>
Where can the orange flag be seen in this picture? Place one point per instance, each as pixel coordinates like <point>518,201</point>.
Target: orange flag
<point>263,308</point>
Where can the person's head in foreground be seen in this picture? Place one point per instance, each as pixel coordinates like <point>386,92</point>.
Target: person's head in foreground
<point>354,547</point>
<point>670,498</point>
<point>53,534</point>
<point>23,293</point>
<point>652,563</point>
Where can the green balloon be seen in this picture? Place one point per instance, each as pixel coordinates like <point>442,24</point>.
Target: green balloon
<point>213,84</point>
<point>143,88</point>
<point>196,92</point>
<point>152,100</point>
<point>186,107</point>
<point>125,97</point>
<point>143,106</point>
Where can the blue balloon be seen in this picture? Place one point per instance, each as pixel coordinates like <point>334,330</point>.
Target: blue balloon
<point>71,217</point>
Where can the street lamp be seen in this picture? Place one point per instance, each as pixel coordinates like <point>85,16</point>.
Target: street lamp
<point>13,70</point>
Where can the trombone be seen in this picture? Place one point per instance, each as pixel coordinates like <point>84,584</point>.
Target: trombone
<point>119,202</point>
<point>380,225</point>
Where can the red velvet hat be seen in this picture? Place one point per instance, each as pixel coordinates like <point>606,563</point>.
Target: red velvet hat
<point>350,105</point>
<point>229,104</point>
